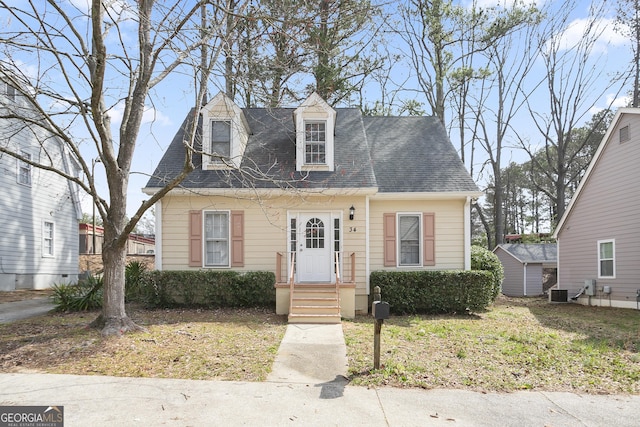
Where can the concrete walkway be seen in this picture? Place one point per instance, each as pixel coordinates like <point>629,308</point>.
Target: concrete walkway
<point>307,387</point>
<point>18,310</point>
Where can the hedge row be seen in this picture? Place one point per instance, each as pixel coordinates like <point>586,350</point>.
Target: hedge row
<point>208,288</point>
<point>435,292</point>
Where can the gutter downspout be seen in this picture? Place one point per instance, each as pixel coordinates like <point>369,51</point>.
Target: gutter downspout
<point>525,279</point>
<point>158,248</point>
<point>467,234</point>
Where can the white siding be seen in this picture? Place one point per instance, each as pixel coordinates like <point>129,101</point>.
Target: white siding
<point>607,208</point>
<point>24,209</point>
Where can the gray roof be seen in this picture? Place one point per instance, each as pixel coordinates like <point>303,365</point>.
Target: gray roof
<point>392,154</point>
<point>532,252</point>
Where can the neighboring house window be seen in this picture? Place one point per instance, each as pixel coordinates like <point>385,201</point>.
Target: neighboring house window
<point>624,134</point>
<point>315,143</point>
<point>606,259</point>
<point>220,140</point>
<point>216,239</point>
<point>10,91</point>
<point>24,170</point>
<point>47,239</point>
<point>409,239</point>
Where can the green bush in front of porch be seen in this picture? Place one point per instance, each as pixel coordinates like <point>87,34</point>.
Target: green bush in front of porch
<point>208,288</point>
<point>435,292</point>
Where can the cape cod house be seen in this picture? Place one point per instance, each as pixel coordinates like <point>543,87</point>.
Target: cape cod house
<point>39,209</point>
<point>599,233</point>
<point>319,196</point>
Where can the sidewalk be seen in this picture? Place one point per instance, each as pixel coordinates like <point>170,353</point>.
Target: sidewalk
<point>108,401</point>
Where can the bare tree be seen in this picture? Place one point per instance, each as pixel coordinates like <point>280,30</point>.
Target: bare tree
<point>573,80</point>
<point>628,24</point>
<point>76,66</point>
<point>499,98</point>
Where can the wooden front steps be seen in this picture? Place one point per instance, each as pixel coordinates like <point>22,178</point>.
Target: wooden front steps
<point>314,303</point>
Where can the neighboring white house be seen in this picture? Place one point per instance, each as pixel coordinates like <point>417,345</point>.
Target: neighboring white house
<point>524,265</point>
<point>599,234</point>
<point>39,209</point>
<point>319,196</point>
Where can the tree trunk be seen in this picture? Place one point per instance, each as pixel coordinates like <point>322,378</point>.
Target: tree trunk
<point>114,320</point>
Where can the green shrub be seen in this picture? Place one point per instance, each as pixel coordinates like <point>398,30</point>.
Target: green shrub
<point>208,288</point>
<point>84,296</point>
<point>132,274</point>
<point>434,292</point>
<point>484,259</point>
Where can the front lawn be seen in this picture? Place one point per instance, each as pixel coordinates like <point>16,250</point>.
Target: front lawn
<point>517,344</point>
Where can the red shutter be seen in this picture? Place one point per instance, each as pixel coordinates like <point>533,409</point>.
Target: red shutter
<point>389,231</point>
<point>195,238</point>
<point>237,239</point>
<point>429,235</point>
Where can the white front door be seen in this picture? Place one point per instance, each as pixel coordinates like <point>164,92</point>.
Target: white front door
<point>315,239</point>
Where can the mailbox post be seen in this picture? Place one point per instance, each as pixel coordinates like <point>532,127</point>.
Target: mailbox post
<point>380,311</point>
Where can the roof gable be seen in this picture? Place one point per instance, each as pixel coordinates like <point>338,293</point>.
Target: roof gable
<point>531,252</point>
<point>633,114</point>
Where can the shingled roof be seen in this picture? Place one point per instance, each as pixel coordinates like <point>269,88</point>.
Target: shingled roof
<point>532,252</point>
<point>387,154</point>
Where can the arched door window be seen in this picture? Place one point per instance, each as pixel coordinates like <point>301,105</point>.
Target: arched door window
<point>314,233</point>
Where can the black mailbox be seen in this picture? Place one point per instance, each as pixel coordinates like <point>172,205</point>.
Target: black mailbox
<point>380,310</point>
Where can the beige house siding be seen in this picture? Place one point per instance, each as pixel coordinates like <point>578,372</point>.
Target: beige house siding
<point>265,228</point>
<point>449,230</point>
<point>606,208</point>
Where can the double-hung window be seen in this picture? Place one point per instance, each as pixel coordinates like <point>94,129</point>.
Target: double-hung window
<point>315,138</point>
<point>47,239</point>
<point>220,140</point>
<point>606,259</point>
<point>409,239</point>
<point>24,169</point>
<point>216,239</point>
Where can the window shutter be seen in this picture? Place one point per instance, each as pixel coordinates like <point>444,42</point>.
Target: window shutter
<point>389,231</point>
<point>195,238</point>
<point>429,235</point>
<point>237,239</point>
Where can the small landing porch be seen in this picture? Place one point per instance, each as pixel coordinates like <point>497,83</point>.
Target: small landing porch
<point>315,302</point>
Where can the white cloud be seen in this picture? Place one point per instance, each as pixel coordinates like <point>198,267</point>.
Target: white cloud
<point>613,103</point>
<point>580,29</point>
<point>151,115</point>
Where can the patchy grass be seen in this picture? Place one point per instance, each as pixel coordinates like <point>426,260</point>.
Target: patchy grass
<point>515,345</point>
<point>193,344</point>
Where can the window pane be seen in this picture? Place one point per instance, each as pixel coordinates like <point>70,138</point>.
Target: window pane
<point>606,250</point>
<point>47,238</point>
<point>606,268</point>
<point>409,231</point>
<point>221,138</point>
<point>216,231</point>
<point>314,233</point>
<point>315,138</point>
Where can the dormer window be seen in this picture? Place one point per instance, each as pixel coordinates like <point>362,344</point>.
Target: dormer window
<point>220,140</point>
<point>315,121</point>
<point>315,141</point>
<point>225,133</point>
